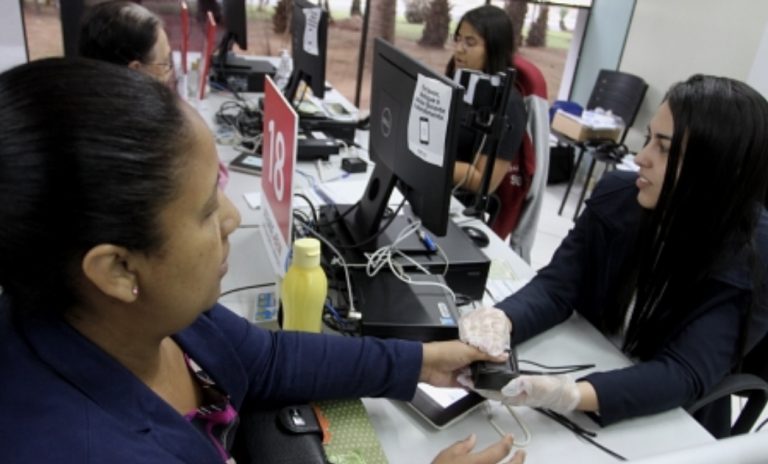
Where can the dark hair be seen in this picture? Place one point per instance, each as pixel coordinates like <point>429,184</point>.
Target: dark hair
<point>89,155</point>
<point>118,32</point>
<point>707,212</point>
<point>495,27</point>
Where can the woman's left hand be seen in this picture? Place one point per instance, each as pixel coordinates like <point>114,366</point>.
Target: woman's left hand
<point>444,361</point>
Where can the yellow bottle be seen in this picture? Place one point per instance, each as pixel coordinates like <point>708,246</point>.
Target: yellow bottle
<point>304,288</point>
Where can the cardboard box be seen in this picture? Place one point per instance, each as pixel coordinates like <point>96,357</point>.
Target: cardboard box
<point>572,126</point>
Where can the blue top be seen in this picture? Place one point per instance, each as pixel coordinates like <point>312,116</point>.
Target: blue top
<point>65,400</point>
<point>583,276</point>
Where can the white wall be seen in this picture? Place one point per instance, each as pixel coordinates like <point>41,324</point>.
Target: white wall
<point>758,75</point>
<point>670,40</point>
<point>13,45</point>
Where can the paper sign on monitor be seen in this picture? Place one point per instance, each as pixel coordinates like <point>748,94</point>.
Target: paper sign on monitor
<point>278,164</point>
<point>428,120</point>
<point>311,28</point>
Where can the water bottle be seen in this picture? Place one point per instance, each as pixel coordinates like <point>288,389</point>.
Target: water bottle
<point>304,288</point>
<point>284,69</point>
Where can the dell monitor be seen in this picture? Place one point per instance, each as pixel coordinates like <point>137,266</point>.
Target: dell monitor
<point>232,22</point>
<point>235,73</point>
<point>309,42</point>
<point>426,182</point>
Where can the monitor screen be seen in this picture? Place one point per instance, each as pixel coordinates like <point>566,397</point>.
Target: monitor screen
<point>426,183</point>
<point>309,42</point>
<point>231,21</point>
<point>415,117</point>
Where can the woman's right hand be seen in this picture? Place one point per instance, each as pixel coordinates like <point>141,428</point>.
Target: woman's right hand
<point>460,453</point>
<point>487,329</point>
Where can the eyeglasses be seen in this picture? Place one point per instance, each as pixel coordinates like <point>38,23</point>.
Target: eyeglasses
<point>165,65</point>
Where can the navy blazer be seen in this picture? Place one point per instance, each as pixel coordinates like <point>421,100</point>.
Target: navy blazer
<point>65,400</point>
<point>582,276</point>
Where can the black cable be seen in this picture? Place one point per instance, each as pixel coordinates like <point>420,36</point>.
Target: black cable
<point>580,431</point>
<point>340,216</point>
<point>554,370</point>
<point>238,116</point>
<point>247,287</point>
<point>309,202</point>
<point>462,299</point>
<point>762,424</point>
<point>378,233</point>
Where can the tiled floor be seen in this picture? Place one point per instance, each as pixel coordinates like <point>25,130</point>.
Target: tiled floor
<point>553,228</point>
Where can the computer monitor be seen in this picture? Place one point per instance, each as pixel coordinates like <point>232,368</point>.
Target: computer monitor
<point>309,43</point>
<point>233,25</point>
<point>425,183</point>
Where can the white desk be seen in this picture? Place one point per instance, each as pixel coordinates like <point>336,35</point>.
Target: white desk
<point>406,438</point>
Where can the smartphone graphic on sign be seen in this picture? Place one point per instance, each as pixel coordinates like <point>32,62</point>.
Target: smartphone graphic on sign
<point>423,130</point>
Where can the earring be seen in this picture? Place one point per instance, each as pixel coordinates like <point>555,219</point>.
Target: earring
<point>135,290</point>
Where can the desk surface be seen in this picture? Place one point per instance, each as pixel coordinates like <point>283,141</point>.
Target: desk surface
<point>407,438</point>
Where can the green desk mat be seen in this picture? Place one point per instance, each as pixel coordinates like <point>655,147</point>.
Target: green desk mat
<point>353,439</point>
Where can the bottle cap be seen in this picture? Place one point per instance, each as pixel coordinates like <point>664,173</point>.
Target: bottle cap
<point>306,252</point>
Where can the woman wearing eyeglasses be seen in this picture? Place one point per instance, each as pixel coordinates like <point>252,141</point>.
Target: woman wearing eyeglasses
<point>128,34</point>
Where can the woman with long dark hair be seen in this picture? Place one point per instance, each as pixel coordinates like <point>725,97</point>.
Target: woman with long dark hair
<point>671,262</point>
<point>484,41</point>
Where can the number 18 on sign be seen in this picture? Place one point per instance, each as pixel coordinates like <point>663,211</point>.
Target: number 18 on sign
<point>278,163</point>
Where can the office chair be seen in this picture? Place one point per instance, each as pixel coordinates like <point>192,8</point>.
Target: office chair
<point>750,383</point>
<point>622,94</point>
<point>520,202</point>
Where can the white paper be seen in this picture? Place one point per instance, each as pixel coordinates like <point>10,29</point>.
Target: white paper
<point>347,191</point>
<point>253,199</point>
<point>428,120</point>
<point>311,28</point>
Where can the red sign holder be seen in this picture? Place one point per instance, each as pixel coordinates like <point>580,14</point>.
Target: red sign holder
<point>278,164</point>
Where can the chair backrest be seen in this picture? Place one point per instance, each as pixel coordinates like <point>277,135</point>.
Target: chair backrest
<point>521,190</point>
<point>530,79</point>
<point>620,92</point>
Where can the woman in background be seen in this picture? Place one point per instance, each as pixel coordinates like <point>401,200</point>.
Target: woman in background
<point>484,41</point>
<point>670,262</point>
<point>127,34</point>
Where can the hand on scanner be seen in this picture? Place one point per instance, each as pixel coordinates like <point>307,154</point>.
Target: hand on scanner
<point>487,329</point>
<point>443,362</point>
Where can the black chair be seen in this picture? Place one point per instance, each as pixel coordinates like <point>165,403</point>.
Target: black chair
<point>750,383</point>
<point>622,94</point>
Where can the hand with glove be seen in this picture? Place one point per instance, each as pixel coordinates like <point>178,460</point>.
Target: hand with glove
<point>487,329</point>
<point>560,393</point>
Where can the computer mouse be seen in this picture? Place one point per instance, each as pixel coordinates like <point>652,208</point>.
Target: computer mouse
<point>479,237</point>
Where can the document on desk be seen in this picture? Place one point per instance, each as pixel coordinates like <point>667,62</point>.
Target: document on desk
<point>502,280</point>
<point>347,192</point>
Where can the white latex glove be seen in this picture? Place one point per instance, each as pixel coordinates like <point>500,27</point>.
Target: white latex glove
<point>556,392</point>
<point>487,329</point>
